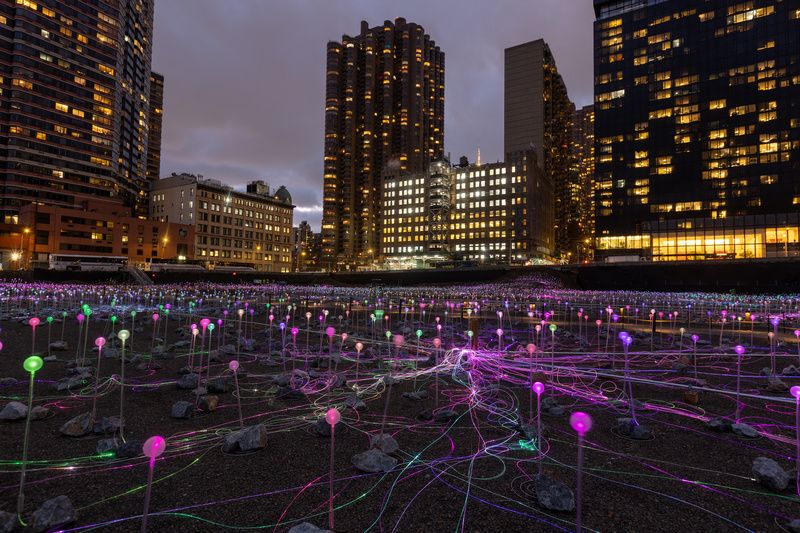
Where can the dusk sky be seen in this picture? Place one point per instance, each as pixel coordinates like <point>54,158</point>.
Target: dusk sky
<point>245,79</point>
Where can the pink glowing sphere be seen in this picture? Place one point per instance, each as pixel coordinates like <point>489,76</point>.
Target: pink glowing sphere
<point>333,416</point>
<point>1,345</point>
<point>795,391</point>
<point>295,331</point>
<point>399,340</point>
<point>359,347</point>
<point>580,422</point>
<point>205,322</point>
<point>100,342</point>
<point>155,317</point>
<point>437,342</point>
<point>80,317</point>
<point>598,321</point>
<point>308,315</point>
<point>538,387</point>
<point>344,337</point>
<point>739,349</point>
<point>271,318</point>
<point>193,326</point>
<point>330,331</point>
<point>234,365</point>
<point>797,333</point>
<point>531,348</point>
<point>195,332</point>
<point>499,332</point>
<point>154,447</point>
<point>33,322</point>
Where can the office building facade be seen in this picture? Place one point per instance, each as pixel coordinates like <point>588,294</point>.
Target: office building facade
<point>74,83</point>
<point>697,129</point>
<point>384,102</point>
<point>583,186</point>
<point>232,228</point>
<point>154,126</point>
<point>538,116</point>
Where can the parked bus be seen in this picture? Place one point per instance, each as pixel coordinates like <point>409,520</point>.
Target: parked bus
<point>176,267</point>
<point>88,263</point>
<point>227,268</point>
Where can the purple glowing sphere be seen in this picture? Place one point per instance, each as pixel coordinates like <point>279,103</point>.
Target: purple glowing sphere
<point>581,422</point>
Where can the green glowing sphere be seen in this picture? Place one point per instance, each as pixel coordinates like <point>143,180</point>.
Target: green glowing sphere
<point>419,333</point>
<point>114,319</point>
<point>33,363</point>
<point>388,334</point>
<point>123,335</point>
<point>470,334</point>
<point>49,320</point>
<point>553,327</point>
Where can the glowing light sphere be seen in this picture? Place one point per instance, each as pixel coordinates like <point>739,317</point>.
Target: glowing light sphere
<point>739,349</point>
<point>344,337</point>
<point>33,364</point>
<point>797,333</point>
<point>580,422</point>
<point>271,317</point>
<point>295,331</point>
<point>470,333</point>
<point>695,338</point>
<point>154,447</point>
<point>308,315</point>
<point>33,322</point>
<point>333,416</point>
<point>282,325</point>
<point>330,331</point>
<point>81,317</point>
<point>155,317</point>
<point>123,335</point>
<point>234,365</point>
<point>553,328</point>
<point>195,332</point>
<point>418,333</point>
<point>499,332</point>
<point>598,322</point>
<point>538,387</point>
<point>50,319</point>
<point>795,391</point>
<point>437,342</point>
<point>359,347</point>
<point>205,322</point>
<point>100,342</point>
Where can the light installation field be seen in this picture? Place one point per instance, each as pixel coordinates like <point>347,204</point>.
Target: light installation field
<point>518,406</point>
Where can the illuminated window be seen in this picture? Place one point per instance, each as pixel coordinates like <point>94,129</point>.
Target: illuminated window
<point>62,107</point>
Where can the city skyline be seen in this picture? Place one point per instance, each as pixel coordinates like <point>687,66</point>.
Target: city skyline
<point>256,132</point>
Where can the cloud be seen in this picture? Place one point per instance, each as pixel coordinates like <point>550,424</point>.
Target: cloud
<point>245,80</point>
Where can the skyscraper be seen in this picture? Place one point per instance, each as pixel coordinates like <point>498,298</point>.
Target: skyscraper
<point>75,82</point>
<point>697,129</point>
<point>154,126</point>
<point>538,115</point>
<point>384,102</point>
<point>582,190</point>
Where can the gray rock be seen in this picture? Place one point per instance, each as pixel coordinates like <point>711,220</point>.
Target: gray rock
<point>7,382</point>
<point>791,370</point>
<point>374,461</point>
<point>77,426</point>
<point>8,522</point>
<point>770,474</point>
<point>323,429</point>
<point>59,346</point>
<point>719,425</point>
<point>53,513</point>
<point>354,402</point>
<point>208,403</point>
<point>219,385</point>
<point>775,384</point>
<point>629,428</point>
<point>14,411</point>
<point>40,412</point>
<point>149,365</point>
<point>416,395</point>
<point>129,449</point>
<point>445,415</point>
<point>182,409</point>
<point>78,380</point>
<point>743,430</point>
<point>188,381</point>
<point>305,527</point>
<point>553,495</point>
<point>245,440</point>
<point>49,358</point>
<point>384,442</point>
<point>106,445</point>
<point>106,425</point>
